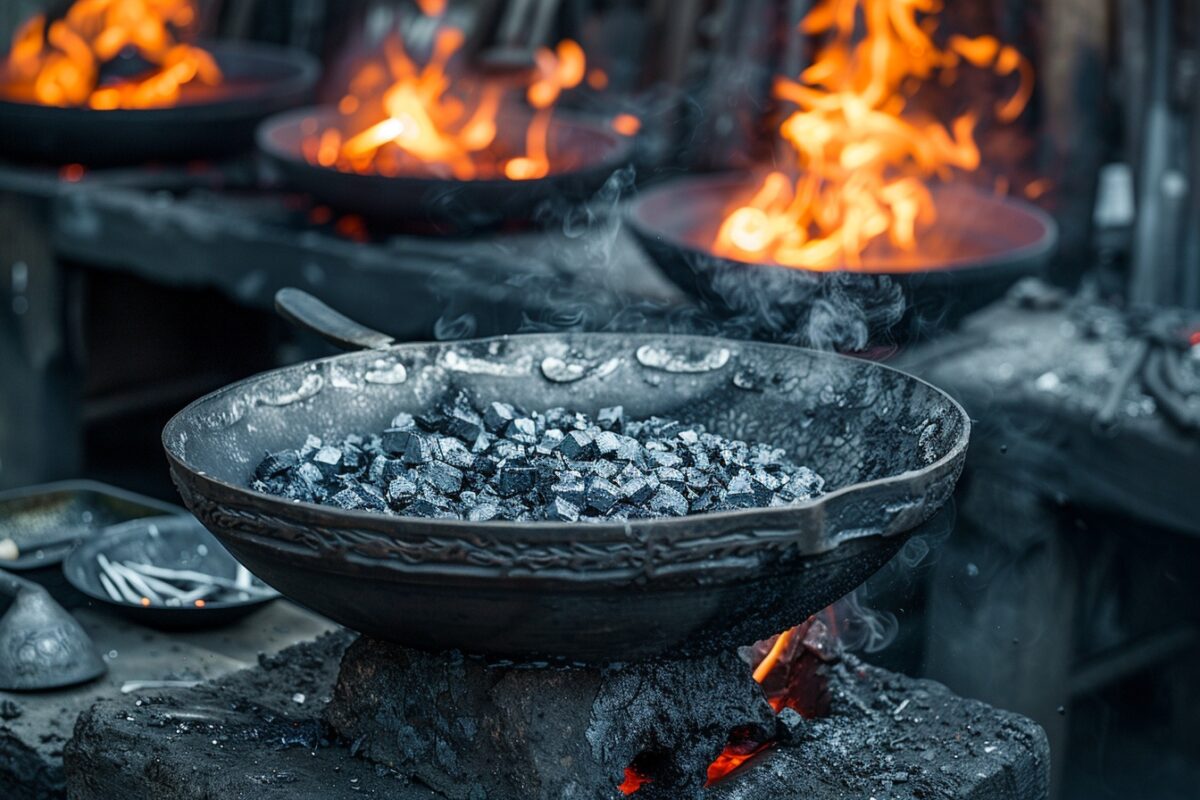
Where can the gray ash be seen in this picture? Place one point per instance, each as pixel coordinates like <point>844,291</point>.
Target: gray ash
<point>502,462</point>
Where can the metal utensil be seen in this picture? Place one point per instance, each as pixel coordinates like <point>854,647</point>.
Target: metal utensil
<point>41,645</point>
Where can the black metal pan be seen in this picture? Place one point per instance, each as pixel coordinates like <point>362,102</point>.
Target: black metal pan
<point>586,152</point>
<point>259,80</point>
<point>998,240</point>
<point>889,446</point>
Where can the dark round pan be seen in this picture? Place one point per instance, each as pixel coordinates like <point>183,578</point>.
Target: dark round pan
<point>590,151</point>
<point>177,542</point>
<point>998,240</point>
<point>259,80</point>
<point>889,446</point>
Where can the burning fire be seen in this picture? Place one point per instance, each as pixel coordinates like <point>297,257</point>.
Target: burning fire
<point>399,117</point>
<point>789,669</point>
<point>863,161</point>
<point>65,63</point>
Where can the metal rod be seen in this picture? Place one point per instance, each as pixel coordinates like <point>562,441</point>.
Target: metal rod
<point>137,582</point>
<point>118,580</point>
<point>110,589</point>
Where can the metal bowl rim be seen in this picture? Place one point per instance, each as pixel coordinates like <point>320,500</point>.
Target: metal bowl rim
<point>304,73</point>
<point>1040,247</point>
<point>730,521</point>
<point>620,154</point>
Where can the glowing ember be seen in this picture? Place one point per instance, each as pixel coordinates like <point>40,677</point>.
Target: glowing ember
<point>67,62</point>
<point>862,160</point>
<point>401,117</point>
<point>734,755</point>
<point>626,124</point>
<point>634,780</point>
<point>789,669</point>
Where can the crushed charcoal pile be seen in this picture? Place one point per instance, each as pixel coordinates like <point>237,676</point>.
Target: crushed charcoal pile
<point>504,463</point>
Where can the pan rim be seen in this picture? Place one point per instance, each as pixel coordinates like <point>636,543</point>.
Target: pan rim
<point>264,134</point>
<point>301,68</point>
<point>1039,247</point>
<point>798,517</point>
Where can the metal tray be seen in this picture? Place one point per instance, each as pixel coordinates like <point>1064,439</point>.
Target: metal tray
<point>47,521</point>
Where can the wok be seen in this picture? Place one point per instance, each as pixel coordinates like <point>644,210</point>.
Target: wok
<point>991,241</point>
<point>587,154</point>
<point>259,80</point>
<point>889,446</point>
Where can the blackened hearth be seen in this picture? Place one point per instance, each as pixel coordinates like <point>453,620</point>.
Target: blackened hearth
<point>272,731</point>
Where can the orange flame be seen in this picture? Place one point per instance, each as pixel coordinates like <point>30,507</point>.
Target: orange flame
<point>402,117</point>
<point>62,64</point>
<point>863,163</point>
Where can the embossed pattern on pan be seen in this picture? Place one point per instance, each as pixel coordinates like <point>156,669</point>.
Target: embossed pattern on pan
<point>889,446</point>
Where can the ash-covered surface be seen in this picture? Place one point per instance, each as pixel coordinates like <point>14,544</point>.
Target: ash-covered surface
<point>890,736</point>
<point>474,730</point>
<point>253,734</point>
<point>502,462</point>
<point>245,736</point>
<point>1048,378</point>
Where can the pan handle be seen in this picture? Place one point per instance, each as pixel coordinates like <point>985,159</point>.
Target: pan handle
<point>302,309</point>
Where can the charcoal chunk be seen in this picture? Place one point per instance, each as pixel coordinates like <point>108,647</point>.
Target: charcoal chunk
<point>740,491</point>
<point>611,418</point>
<point>549,442</point>
<point>669,502</point>
<point>579,446</point>
<point>569,486</point>
<point>276,464</point>
<point>418,451</point>
<point>608,444</point>
<point>670,476</point>
<point>665,459</point>
<point>395,440</point>
<point>497,416</point>
<point>483,511</point>
<point>441,476</point>
<point>513,478</point>
<point>359,497</point>
<point>523,430</point>
<point>310,472</point>
<point>454,461</point>
<point>400,491</point>
<point>311,445</point>
<point>403,420</point>
<point>637,490</point>
<point>329,460</point>
<point>453,452</point>
<point>602,495</point>
<point>563,509</point>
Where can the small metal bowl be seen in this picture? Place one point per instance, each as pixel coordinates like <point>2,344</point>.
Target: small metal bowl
<point>175,543</point>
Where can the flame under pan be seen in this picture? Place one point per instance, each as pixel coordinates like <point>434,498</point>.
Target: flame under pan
<point>259,80</point>
<point>980,246</point>
<point>592,151</point>
<point>889,445</point>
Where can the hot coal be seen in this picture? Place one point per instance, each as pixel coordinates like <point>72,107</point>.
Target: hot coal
<point>503,462</point>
